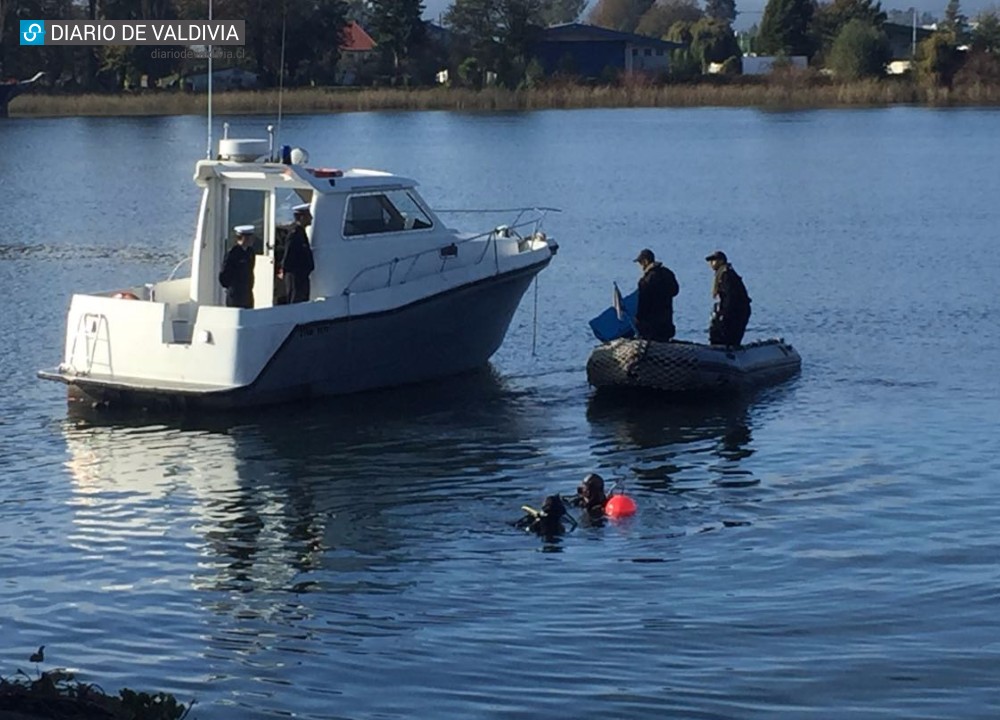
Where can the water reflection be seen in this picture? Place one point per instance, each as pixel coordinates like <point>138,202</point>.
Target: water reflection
<point>659,438</point>
<point>296,499</point>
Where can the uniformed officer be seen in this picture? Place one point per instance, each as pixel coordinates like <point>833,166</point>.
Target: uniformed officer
<point>297,263</point>
<point>237,269</point>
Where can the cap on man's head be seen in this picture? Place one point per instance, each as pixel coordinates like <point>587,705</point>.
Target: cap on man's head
<point>717,255</point>
<point>243,229</point>
<point>300,209</point>
<point>645,256</point>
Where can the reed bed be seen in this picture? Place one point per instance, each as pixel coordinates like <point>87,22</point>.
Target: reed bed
<point>791,91</point>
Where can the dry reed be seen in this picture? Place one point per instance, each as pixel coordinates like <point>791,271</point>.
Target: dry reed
<point>791,91</point>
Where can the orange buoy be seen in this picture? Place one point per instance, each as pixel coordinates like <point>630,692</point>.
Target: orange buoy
<point>620,506</point>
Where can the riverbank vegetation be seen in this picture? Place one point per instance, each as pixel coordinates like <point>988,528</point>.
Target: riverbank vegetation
<point>495,55</point>
<point>55,695</point>
<point>788,89</point>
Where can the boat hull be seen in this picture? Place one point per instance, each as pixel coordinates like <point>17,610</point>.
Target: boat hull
<point>440,336</point>
<point>686,368</point>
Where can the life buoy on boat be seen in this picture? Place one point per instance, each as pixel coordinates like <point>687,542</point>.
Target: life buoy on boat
<point>125,295</point>
<point>326,172</point>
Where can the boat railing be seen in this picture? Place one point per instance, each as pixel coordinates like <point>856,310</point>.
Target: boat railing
<point>177,267</point>
<point>406,264</point>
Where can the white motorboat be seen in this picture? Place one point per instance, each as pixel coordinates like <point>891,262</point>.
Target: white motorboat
<point>396,296</point>
<point>688,368</point>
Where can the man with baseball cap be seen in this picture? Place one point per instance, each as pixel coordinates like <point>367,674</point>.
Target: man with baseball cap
<point>654,318</point>
<point>732,307</point>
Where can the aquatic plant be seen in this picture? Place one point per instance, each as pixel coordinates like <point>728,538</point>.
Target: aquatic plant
<point>57,695</point>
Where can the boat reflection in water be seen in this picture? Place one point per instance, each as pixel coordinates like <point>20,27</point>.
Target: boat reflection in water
<point>286,500</point>
<point>664,444</point>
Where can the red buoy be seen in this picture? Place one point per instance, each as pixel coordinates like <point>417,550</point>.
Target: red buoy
<point>620,506</point>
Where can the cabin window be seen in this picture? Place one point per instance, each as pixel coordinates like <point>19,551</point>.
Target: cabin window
<point>648,52</point>
<point>635,52</point>
<point>285,200</point>
<point>383,212</point>
<point>246,207</point>
<point>659,53</point>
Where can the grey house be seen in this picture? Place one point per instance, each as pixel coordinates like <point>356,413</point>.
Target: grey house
<point>590,51</point>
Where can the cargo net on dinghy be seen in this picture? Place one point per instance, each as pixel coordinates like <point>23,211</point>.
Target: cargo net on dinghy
<point>666,366</point>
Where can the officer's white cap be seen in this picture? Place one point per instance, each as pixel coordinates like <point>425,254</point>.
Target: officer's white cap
<point>304,207</point>
<point>243,229</point>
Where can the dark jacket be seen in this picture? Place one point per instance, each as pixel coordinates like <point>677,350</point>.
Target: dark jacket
<point>654,318</point>
<point>734,302</point>
<point>237,276</point>
<point>298,258</point>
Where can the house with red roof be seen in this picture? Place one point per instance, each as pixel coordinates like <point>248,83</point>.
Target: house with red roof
<point>358,55</point>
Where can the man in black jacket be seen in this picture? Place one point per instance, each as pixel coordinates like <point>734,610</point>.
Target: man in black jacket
<point>237,269</point>
<point>732,309</point>
<point>297,263</point>
<point>654,318</point>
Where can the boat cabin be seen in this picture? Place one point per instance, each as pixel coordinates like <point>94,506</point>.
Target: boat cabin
<point>360,218</point>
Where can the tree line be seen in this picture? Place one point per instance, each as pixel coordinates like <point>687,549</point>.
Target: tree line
<point>488,39</point>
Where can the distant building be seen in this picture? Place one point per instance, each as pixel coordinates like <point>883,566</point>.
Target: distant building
<point>901,39</point>
<point>225,79</point>
<point>590,51</point>
<point>764,64</point>
<point>358,54</point>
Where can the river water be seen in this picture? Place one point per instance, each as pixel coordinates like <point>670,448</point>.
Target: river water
<point>824,548</point>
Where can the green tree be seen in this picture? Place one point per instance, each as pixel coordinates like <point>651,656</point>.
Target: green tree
<point>67,66</point>
<point>938,59</point>
<point>954,21</point>
<point>556,12</point>
<point>986,35</point>
<point>623,15</point>
<point>784,28</point>
<point>713,41</point>
<point>721,10</point>
<point>398,29</point>
<point>658,20</point>
<point>499,34</point>
<point>830,18</point>
<point>860,50</point>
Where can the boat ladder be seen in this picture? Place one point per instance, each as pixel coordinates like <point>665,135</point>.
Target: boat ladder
<point>96,331</point>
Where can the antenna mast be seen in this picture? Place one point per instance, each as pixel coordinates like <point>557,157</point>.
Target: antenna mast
<point>208,149</point>
<point>281,71</point>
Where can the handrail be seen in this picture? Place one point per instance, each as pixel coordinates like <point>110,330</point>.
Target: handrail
<point>491,239</point>
<point>177,267</point>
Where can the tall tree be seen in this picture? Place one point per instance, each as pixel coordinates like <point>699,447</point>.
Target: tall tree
<point>860,50</point>
<point>721,10</point>
<point>713,41</point>
<point>497,34</point>
<point>986,35</point>
<point>658,20</point>
<point>829,19</point>
<point>623,15</point>
<point>556,12</point>
<point>784,29</point>
<point>398,29</point>
<point>954,21</point>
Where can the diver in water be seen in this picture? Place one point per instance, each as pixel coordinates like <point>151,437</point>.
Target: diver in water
<point>590,496</point>
<point>549,521</point>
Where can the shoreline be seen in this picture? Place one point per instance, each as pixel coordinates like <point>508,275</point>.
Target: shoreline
<point>783,93</point>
